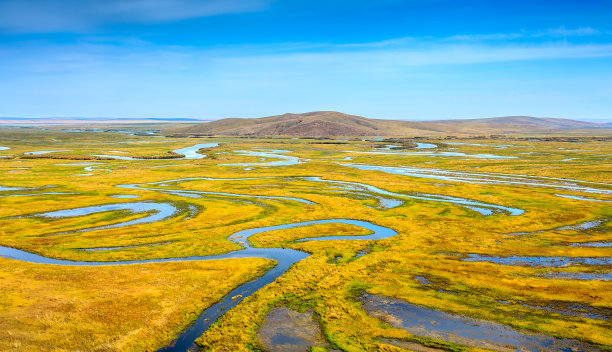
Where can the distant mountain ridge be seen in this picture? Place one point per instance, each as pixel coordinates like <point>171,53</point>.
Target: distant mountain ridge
<point>546,122</point>
<point>90,120</point>
<point>333,123</point>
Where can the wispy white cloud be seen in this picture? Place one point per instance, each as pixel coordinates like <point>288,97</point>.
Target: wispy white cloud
<point>395,62</point>
<point>568,32</point>
<point>425,76</point>
<point>76,15</point>
<point>309,60</point>
<point>550,33</point>
<point>485,37</point>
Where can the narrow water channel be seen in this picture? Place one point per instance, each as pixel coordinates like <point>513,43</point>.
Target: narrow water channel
<point>284,258</point>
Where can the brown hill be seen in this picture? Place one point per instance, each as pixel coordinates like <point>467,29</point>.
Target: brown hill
<point>524,121</point>
<point>332,123</point>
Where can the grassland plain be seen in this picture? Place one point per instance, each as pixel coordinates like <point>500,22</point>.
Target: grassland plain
<point>48,307</point>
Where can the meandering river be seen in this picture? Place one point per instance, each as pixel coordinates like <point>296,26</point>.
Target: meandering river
<point>285,258</point>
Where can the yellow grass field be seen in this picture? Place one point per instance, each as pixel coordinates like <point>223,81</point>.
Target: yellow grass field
<point>552,184</point>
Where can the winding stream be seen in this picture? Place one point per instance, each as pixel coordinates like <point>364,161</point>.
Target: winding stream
<point>40,152</point>
<point>5,188</point>
<point>192,152</point>
<point>156,212</point>
<point>187,152</point>
<point>286,160</point>
<point>89,167</point>
<point>425,146</point>
<point>583,198</point>
<point>489,178</point>
<point>432,153</point>
<point>35,194</point>
<point>387,199</point>
<point>284,258</point>
<point>575,227</point>
<point>399,147</point>
<point>187,193</point>
<point>500,146</point>
<point>483,208</point>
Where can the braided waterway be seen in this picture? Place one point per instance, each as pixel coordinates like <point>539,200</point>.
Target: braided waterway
<point>385,198</point>
<point>188,153</point>
<point>285,160</point>
<point>493,178</point>
<point>284,257</point>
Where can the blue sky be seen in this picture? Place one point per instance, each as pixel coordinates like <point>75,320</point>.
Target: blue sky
<point>414,59</point>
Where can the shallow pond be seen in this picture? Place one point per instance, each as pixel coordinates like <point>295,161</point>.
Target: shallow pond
<point>578,276</point>
<point>472,332</point>
<point>568,309</point>
<point>536,261</point>
<point>285,330</point>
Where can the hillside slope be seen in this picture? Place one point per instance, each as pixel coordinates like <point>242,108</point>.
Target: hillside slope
<point>332,123</point>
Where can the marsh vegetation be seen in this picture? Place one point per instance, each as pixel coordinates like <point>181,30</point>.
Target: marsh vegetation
<point>489,231</point>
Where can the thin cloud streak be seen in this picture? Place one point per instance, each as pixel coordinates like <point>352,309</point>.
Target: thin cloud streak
<point>175,58</point>
<point>551,33</point>
<point>45,16</point>
<point>424,78</point>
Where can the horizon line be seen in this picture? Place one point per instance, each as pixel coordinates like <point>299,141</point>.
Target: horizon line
<point>204,119</point>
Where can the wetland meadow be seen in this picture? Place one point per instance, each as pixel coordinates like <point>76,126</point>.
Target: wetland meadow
<point>143,242</point>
